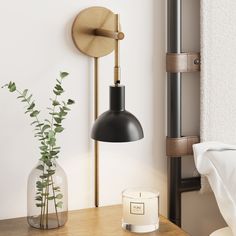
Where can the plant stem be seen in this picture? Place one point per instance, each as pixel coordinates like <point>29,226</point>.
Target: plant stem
<point>41,214</point>
<point>55,204</point>
<point>44,205</point>
<point>52,123</point>
<point>47,203</point>
<point>36,117</point>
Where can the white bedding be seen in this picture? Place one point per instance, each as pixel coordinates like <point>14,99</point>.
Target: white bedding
<point>217,161</point>
<point>222,232</point>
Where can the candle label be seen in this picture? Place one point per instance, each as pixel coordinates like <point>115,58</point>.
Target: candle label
<point>137,208</point>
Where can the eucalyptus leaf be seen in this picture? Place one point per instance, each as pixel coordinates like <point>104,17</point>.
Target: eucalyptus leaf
<point>64,74</point>
<point>40,204</point>
<point>55,103</point>
<point>58,119</point>
<point>53,113</point>
<point>24,92</point>
<point>48,163</point>
<point>32,105</point>
<point>51,142</point>
<point>59,88</point>
<point>51,171</point>
<point>12,87</point>
<point>59,204</point>
<point>48,121</point>
<point>43,177</point>
<point>58,129</point>
<point>34,122</point>
<point>51,134</point>
<point>45,127</point>
<point>62,112</point>
<point>53,153</point>
<point>43,138</point>
<point>70,101</point>
<point>59,196</point>
<point>40,167</point>
<point>65,108</point>
<point>51,198</point>
<point>29,98</point>
<point>43,148</point>
<point>34,113</point>
<point>38,198</point>
<point>56,92</point>
<point>39,184</point>
<point>56,188</point>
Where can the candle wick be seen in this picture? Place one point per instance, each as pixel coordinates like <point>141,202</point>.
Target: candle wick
<point>139,194</point>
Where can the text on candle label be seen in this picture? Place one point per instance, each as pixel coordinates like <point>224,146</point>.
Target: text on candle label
<point>137,208</point>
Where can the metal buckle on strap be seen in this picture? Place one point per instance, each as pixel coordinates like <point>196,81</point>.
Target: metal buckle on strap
<point>183,62</point>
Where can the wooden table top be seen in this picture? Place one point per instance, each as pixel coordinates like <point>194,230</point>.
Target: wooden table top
<point>103,221</point>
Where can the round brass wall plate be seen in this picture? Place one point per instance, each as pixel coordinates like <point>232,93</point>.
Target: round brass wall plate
<point>84,27</point>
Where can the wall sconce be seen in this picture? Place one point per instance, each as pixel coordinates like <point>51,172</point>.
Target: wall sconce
<point>96,33</point>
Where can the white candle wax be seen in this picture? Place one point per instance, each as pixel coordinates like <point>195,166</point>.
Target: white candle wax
<point>140,207</point>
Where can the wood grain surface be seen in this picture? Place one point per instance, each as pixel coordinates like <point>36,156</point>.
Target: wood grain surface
<point>103,221</point>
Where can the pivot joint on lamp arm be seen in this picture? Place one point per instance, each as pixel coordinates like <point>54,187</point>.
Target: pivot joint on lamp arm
<point>117,35</point>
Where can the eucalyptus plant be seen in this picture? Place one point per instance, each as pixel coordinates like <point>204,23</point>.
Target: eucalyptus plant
<point>46,132</point>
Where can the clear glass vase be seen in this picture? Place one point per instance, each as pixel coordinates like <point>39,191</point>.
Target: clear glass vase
<point>47,200</point>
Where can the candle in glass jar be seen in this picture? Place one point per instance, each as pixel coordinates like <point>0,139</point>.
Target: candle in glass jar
<point>140,210</point>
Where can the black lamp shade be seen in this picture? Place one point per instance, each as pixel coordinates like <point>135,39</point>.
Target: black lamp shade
<point>117,124</point>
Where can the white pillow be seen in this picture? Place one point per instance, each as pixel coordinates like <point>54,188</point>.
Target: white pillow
<point>222,232</point>
<point>218,162</point>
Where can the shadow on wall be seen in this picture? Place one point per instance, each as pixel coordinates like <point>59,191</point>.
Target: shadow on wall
<point>159,98</point>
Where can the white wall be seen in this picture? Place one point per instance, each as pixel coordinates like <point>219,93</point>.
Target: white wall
<point>36,45</point>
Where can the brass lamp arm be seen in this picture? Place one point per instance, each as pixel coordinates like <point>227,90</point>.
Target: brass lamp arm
<point>117,53</point>
<point>117,35</point>
<point>109,34</point>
